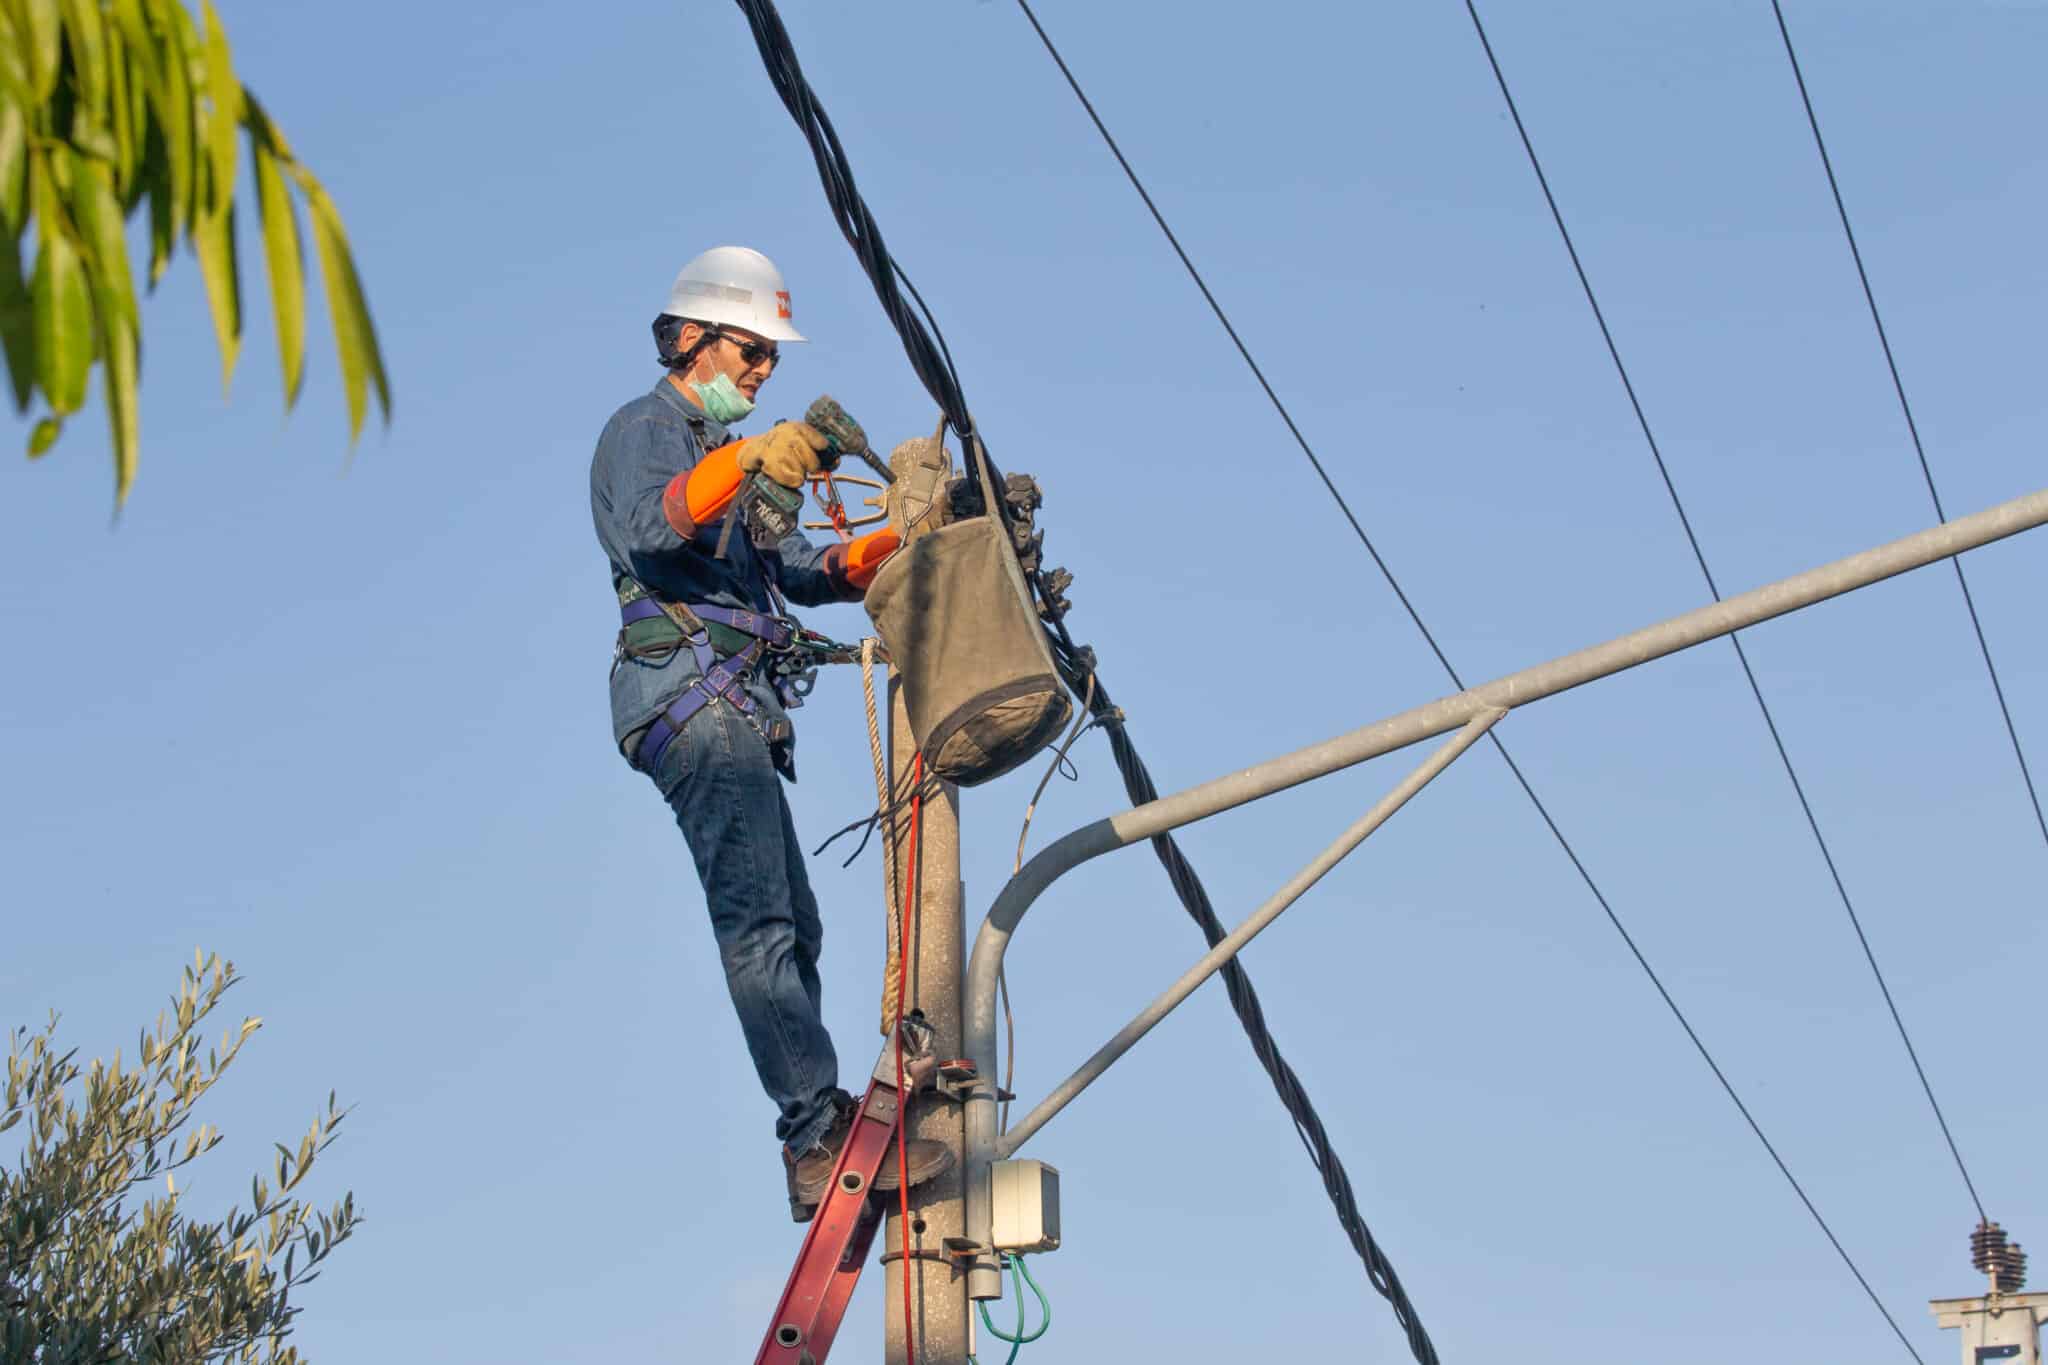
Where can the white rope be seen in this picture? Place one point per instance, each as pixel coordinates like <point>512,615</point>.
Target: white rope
<point>892,969</point>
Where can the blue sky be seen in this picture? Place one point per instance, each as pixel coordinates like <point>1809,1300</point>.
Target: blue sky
<point>342,718</point>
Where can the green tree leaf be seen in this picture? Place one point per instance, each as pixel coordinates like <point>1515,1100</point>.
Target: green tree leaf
<point>155,177</point>
<point>213,241</point>
<point>86,27</point>
<point>131,20</point>
<point>98,212</point>
<point>355,339</point>
<point>13,168</point>
<point>14,77</point>
<point>224,93</point>
<point>158,57</point>
<point>17,325</point>
<point>98,215</point>
<point>137,64</point>
<point>122,118</point>
<point>105,104</point>
<point>42,436</point>
<point>287,266</point>
<point>61,300</point>
<point>124,366</point>
<point>38,27</point>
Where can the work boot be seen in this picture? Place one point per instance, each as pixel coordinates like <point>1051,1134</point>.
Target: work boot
<point>809,1174</point>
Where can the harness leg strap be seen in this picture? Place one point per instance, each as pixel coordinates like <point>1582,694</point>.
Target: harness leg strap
<point>721,680</point>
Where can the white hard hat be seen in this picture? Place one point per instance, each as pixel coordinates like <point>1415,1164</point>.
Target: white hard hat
<point>735,285</point>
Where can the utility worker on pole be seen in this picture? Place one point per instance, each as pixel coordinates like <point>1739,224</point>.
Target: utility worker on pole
<point>697,686</point>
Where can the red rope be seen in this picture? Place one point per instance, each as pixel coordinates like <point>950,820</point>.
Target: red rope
<point>910,887</point>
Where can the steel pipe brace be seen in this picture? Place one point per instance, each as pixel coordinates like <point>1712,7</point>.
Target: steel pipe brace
<point>1448,713</point>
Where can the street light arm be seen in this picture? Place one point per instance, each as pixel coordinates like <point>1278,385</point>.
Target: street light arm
<point>1422,722</point>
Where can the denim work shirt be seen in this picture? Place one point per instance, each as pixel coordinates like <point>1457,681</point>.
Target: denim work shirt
<point>646,444</point>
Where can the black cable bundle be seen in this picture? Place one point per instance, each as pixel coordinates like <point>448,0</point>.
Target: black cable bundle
<point>934,365</point>
<point>1245,1001</point>
<point>932,361</point>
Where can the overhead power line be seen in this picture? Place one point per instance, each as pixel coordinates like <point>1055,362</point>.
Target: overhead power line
<point>1969,600</point>
<point>1884,341</point>
<point>1416,617</point>
<point>926,349</point>
<point>1678,505</point>
<point>1699,557</point>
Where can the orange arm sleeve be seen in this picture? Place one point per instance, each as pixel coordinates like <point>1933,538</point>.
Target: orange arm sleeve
<point>866,553</point>
<point>699,495</point>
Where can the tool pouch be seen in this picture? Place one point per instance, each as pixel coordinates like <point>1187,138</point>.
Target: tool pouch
<point>965,641</point>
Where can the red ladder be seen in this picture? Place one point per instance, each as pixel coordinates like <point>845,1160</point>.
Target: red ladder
<point>835,1248</point>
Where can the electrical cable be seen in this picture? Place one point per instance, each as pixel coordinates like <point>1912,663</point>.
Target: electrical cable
<point>1083,723</point>
<point>1020,1275</point>
<point>1756,690</point>
<point>1913,429</point>
<point>930,361</point>
<point>1933,493</point>
<point>1076,662</point>
<point>1437,650</point>
<point>912,890</point>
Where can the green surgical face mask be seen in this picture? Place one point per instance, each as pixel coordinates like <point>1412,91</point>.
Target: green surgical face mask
<point>722,401</point>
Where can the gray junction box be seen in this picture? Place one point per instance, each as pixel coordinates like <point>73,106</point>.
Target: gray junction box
<point>1025,1196</point>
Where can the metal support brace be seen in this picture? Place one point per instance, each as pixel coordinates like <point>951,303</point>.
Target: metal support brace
<point>1231,944</point>
<point>1436,718</point>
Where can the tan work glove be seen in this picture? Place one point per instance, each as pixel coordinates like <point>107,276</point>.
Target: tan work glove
<point>788,452</point>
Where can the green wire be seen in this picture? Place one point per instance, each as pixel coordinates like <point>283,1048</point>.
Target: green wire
<point>1020,1275</point>
<point>1016,1342</point>
<point>1044,1304</point>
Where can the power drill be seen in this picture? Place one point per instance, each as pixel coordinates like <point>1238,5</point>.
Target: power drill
<point>837,426</point>
<point>772,512</point>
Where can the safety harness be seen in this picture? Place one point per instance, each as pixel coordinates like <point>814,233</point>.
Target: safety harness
<point>655,627</point>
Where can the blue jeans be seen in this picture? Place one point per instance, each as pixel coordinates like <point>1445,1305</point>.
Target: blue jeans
<point>719,779</point>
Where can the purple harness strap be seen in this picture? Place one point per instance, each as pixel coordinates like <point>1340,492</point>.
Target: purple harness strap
<point>716,678</point>
<point>722,679</point>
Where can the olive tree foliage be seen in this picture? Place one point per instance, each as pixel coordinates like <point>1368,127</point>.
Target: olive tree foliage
<point>114,108</point>
<point>93,1270</point>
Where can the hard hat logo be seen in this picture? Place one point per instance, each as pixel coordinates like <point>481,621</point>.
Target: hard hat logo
<point>733,286</point>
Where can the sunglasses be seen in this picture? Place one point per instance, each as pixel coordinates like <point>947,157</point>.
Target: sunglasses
<point>753,352</point>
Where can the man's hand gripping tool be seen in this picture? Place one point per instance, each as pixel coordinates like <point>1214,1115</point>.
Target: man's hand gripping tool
<point>771,512</point>
<point>845,437</point>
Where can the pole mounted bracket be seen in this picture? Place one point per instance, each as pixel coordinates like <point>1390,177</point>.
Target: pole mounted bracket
<point>955,1077</point>
<point>958,1079</point>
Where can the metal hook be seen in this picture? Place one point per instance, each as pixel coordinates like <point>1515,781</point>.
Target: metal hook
<point>824,487</point>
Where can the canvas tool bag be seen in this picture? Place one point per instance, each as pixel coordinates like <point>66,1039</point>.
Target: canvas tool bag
<point>965,641</point>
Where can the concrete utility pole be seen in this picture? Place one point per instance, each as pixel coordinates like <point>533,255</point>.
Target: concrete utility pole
<point>2003,1325</point>
<point>938,1292</point>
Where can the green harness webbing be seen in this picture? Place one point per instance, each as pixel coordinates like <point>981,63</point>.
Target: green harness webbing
<point>665,634</point>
